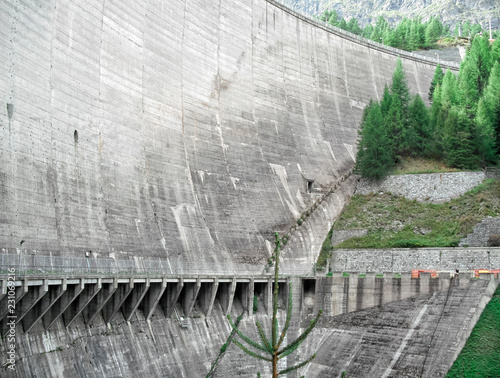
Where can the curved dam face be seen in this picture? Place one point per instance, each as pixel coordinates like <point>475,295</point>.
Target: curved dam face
<point>162,129</point>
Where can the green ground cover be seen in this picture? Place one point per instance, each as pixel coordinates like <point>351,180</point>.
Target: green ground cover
<point>396,222</point>
<point>480,356</point>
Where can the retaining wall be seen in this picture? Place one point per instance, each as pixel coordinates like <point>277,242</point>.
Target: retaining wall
<point>404,260</point>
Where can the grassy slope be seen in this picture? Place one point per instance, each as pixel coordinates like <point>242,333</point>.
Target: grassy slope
<point>480,356</point>
<point>394,221</point>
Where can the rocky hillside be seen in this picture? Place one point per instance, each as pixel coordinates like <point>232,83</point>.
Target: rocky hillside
<point>366,11</point>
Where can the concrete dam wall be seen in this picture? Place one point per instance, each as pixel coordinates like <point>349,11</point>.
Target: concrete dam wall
<point>183,130</point>
<point>189,131</point>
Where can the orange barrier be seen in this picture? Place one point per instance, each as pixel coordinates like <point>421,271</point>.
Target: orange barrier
<point>415,273</point>
<point>478,271</point>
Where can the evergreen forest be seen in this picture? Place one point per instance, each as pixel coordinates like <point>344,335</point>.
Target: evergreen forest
<point>460,128</point>
<point>409,34</point>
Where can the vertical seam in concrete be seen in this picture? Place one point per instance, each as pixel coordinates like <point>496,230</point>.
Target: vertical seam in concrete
<point>99,170</point>
<point>373,75</point>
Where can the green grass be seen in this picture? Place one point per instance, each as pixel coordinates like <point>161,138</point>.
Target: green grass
<point>396,222</point>
<point>326,251</point>
<point>420,165</point>
<point>480,356</point>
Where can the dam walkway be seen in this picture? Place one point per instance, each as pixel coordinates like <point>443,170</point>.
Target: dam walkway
<point>37,291</point>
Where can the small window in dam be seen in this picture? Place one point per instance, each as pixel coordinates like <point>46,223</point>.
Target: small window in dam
<point>309,292</point>
<point>310,185</point>
<point>75,136</point>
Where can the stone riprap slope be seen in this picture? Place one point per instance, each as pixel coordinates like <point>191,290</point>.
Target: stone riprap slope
<point>188,130</point>
<point>483,233</point>
<point>431,187</point>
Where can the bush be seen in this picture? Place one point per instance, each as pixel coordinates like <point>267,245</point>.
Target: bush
<point>407,243</point>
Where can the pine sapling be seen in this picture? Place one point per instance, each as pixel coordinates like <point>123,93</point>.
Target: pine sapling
<point>271,349</point>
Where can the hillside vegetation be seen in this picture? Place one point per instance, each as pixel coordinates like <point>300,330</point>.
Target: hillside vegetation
<point>461,128</point>
<point>396,222</point>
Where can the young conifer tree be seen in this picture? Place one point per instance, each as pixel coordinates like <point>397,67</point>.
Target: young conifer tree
<point>436,80</point>
<point>270,349</point>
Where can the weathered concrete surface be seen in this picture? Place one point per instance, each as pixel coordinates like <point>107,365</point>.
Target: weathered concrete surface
<point>417,337</point>
<point>169,128</point>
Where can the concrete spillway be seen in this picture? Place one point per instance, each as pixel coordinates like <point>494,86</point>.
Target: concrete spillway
<point>181,130</point>
<point>158,128</point>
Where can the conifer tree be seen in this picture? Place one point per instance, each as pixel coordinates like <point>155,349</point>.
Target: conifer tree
<point>449,90</point>
<point>385,103</point>
<point>479,55</point>
<point>469,78</point>
<point>458,141</point>
<point>495,51</point>
<point>485,134</point>
<point>437,79</point>
<point>438,115</point>
<point>354,27</point>
<point>367,31</point>
<point>488,118</point>
<point>419,140</point>
<point>399,87</point>
<point>374,157</point>
<point>413,42</point>
<point>397,118</point>
<point>334,18</point>
<point>395,125</point>
<point>343,24</point>
<point>433,32</point>
<point>272,347</point>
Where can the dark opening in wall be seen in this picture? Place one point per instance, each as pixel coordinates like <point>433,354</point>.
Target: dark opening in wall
<point>75,136</point>
<point>310,185</point>
<point>260,297</point>
<point>10,110</point>
<point>308,294</point>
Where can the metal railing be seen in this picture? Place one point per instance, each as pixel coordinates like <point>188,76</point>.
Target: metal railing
<point>36,265</point>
